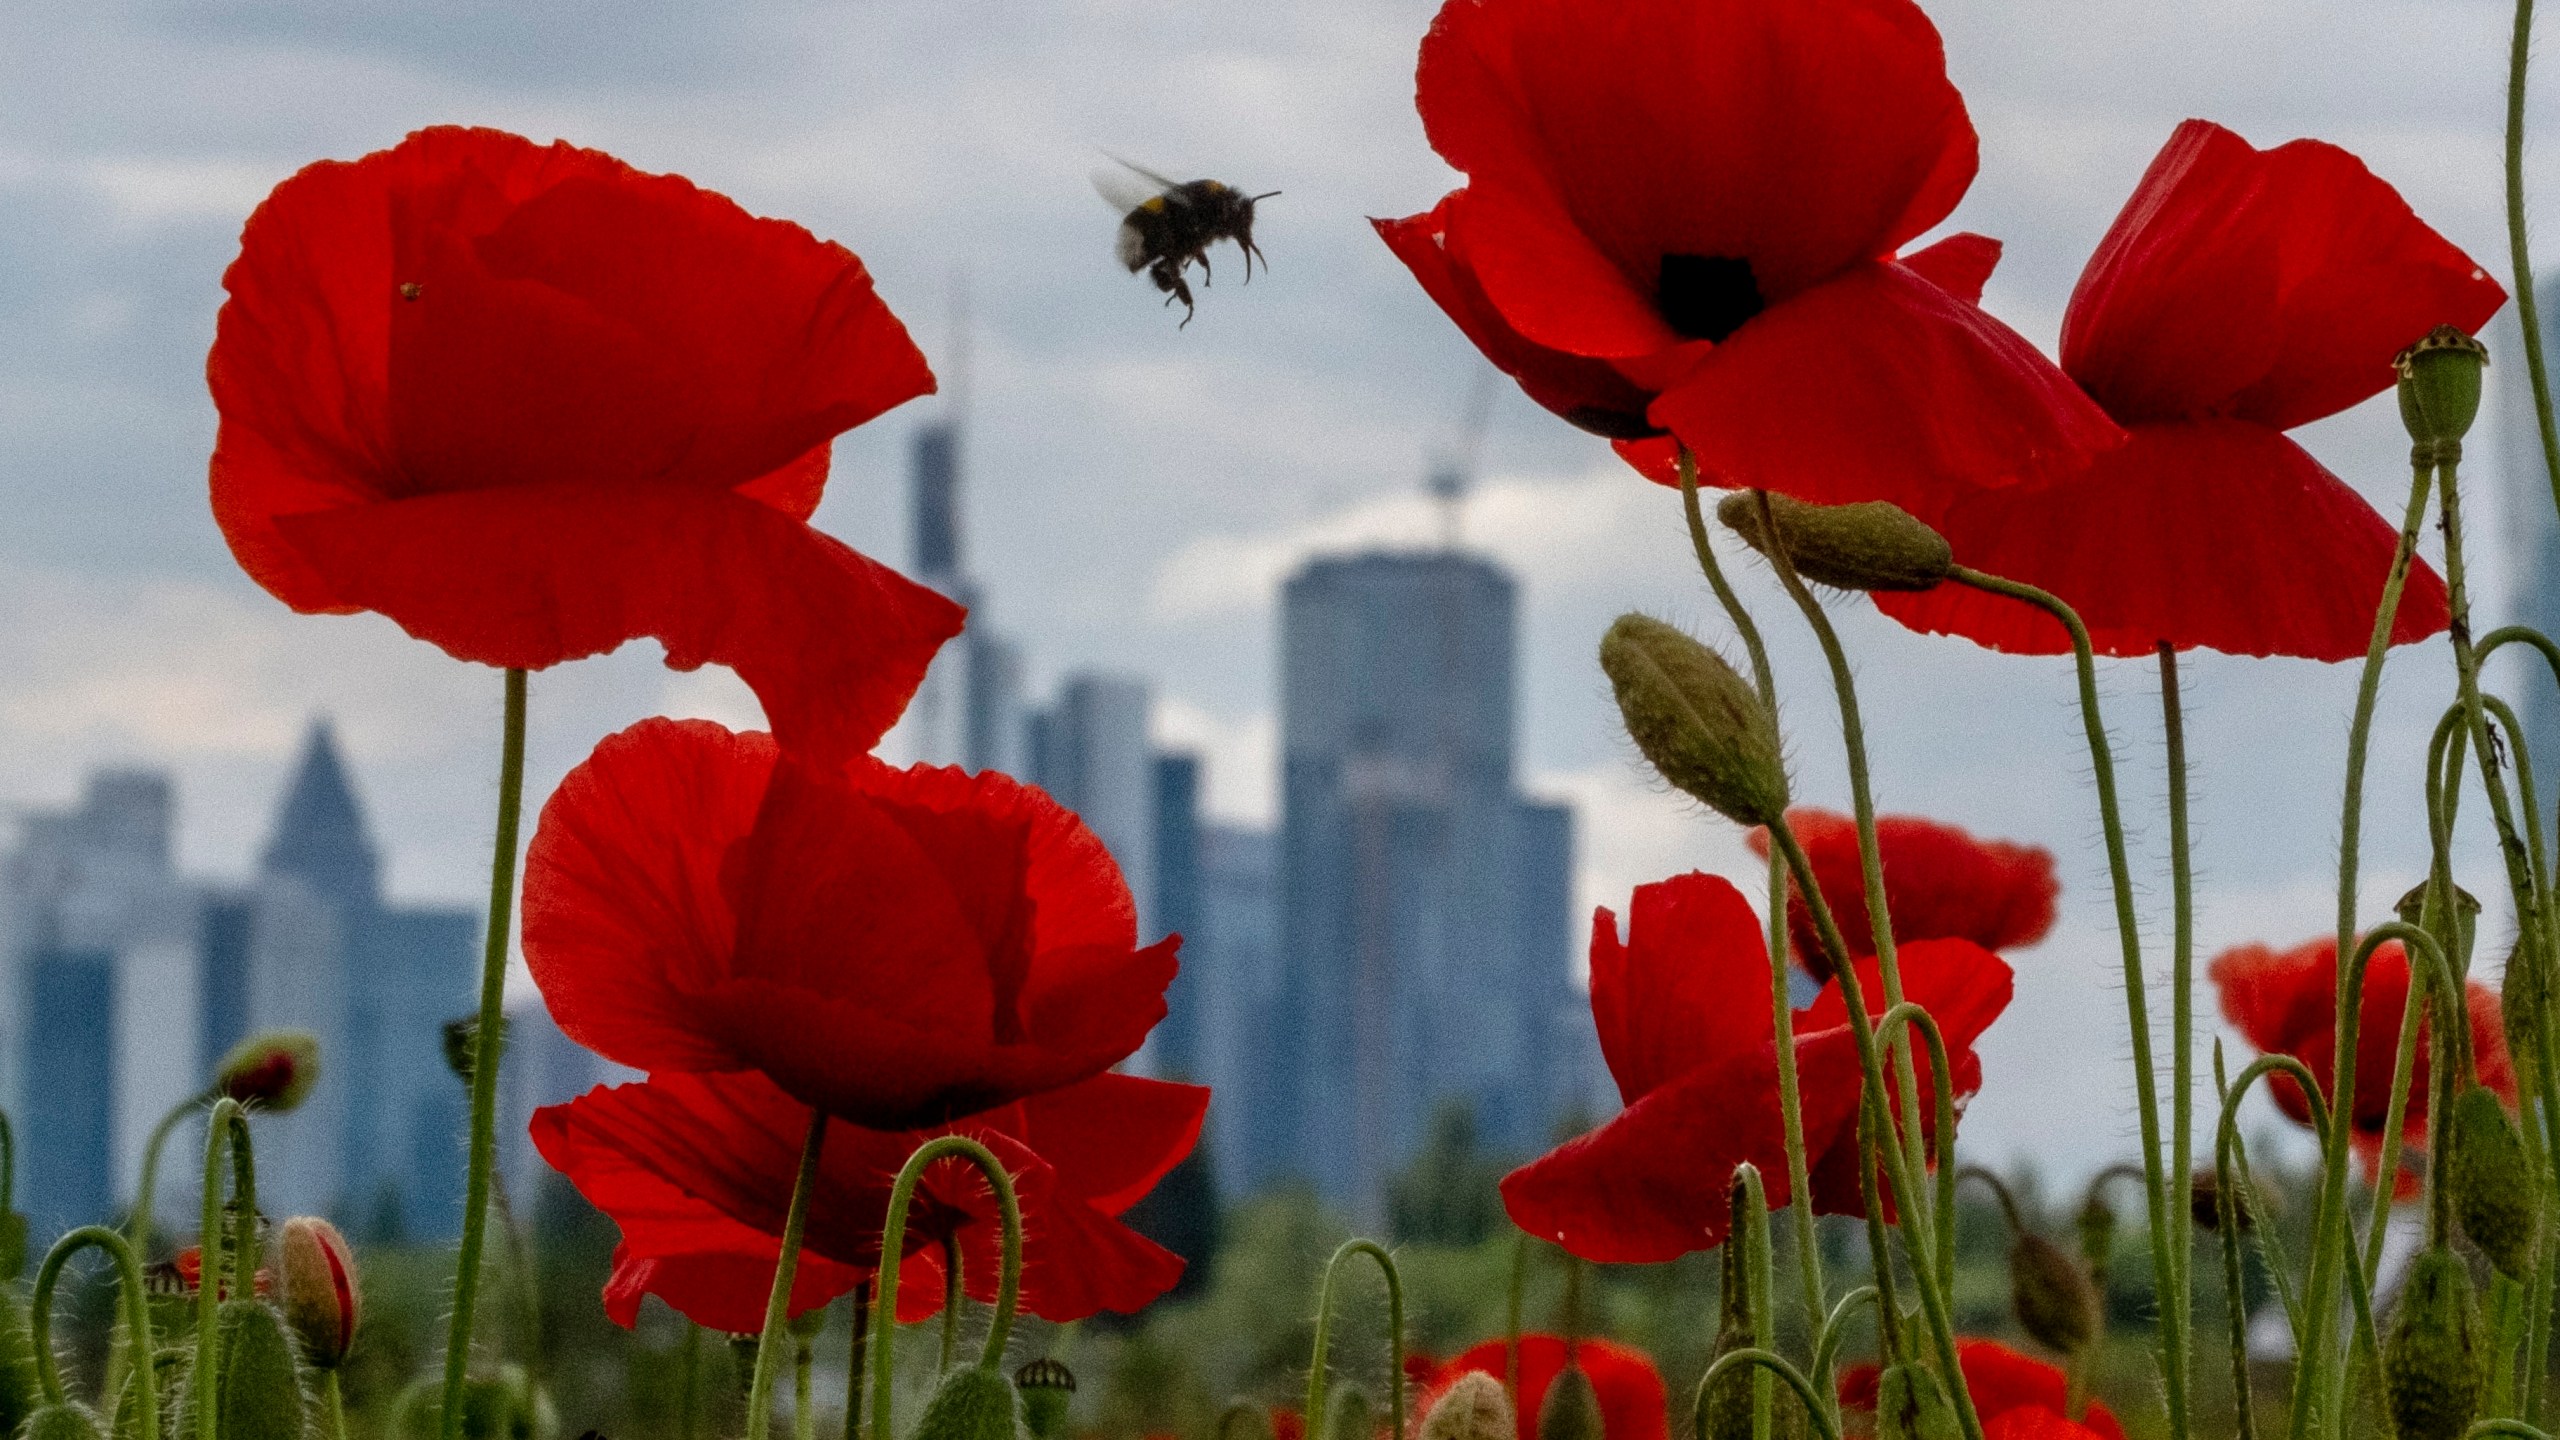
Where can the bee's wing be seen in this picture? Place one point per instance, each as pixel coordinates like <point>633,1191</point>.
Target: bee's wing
<point>1125,186</point>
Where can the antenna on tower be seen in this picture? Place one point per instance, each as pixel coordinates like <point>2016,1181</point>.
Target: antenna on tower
<point>1455,471</point>
<point>958,390</point>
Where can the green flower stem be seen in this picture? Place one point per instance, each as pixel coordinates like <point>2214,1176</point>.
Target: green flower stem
<point>951,1297</point>
<point>1906,1016</point>
<point>1889,1337</point>
<point>689,1360</point>
<point>1916,1238</point>
<point>1853,736</point>
<point>2182,1060</point>
<point>2513,1428</point>
<point>1834,1333</point>
<point>786,1268</point>
<point>147,1191</point>
<point>1775,1364</point>
<point>1511,1321</point>
<point>1319,1372</point>
<point>333,1405</point>
<point>137,1319</point>
<point>226,1129</point>
<point>1754,1241</point>
<point>804,1410</point>
<point>2506,1331</point>
<point>2519,56</point>
<point>1781,1003</point>
<point>2232,1172</point>
<point>893,1245</point>
<point>2168,1270</point>
<point>486,1043</point>
<point>859,1321</point>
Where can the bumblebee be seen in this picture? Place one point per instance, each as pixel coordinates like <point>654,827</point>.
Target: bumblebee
<point>1167,224</point>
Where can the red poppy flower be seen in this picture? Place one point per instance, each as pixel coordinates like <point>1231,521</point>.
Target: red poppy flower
<point>1684,217</point>
<point>2009,1389</point>
<point>183,1274</point>
<point>1940,883</point>
<point>1683,1013</point>
<point>2285,1002</point>
<point>697,1170</point>
<point>896,947</point>
<point>531,403</point>
<point>1629,1387</point>
<point>2242,292</point>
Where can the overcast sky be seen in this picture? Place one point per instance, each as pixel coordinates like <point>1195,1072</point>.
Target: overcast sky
<point>1135,492</point>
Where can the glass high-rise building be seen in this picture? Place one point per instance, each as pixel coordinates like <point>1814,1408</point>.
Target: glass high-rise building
<point>2533,522</point>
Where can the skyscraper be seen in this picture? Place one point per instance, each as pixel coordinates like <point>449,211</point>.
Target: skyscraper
<point>2532,519</point>
<point>968,712</point>
<point>1232,966</point>
<point>1423,899</point>
<point>1090,751</point>
<point>1175,1047</point>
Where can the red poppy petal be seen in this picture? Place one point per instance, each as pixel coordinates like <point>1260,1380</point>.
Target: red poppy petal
<point>1657,459</point>
<point>1963,987</point>
<point>2039,1422</point>
<point>1674,127</point>
<point>832,642</point>
<point>724,1291</point>
<point>1544,276</point>
<point>2271,285</point>
<point>1690,985</point>
<point>1589,393</point>
<point>626,922</point>
<point>1649,1185</point>
<point>1961,264</point>
<point>1879,386</point>
<point>1629,1387</point>
<point>1940,883</point>
<point>1110,1138</point>
<point>2212,534</point>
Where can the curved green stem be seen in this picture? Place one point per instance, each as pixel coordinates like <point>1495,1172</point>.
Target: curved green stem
<point>1778,1365</point>
<point>2517,1429</point>
<point>1319,1373</point>
<point>2233,1174</point>
<point>2167,1271</point>
<point>137,1319</point>
<point>1834,1332</point>
<point>1909,1015</point>
<point>1781,1003</point>
<point>893,1242</point>
<point>786,1269</point>
<point>486,1044</point>
<point>951,1297</point>
<point>2519,56</point>
<point>146,1191</point>
<point>226,1129</point>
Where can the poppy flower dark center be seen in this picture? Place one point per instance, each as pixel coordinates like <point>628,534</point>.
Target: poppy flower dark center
<point>1707,297</point>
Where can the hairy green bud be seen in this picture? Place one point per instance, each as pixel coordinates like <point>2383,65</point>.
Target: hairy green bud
<point>1698,722</point>
<point>2440,388</point>
<point>973,1403</point>
<point>2431,1360</point>
<point>1047,1387</point>
<point>66,1421</point>
<point>258,1394</point>
<point>2491,1183</point>
<point>1571,1410</point>
<point>2056,1304</point>
<point>1912,1405</point>
<point>20,1393</point>
<point>273,1070</point>
<point>1873,545</point>
<point>1474,1408</point>
<point>2523,996</point>
<point>1354,1418</point>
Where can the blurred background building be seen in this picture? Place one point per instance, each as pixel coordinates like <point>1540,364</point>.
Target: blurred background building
<point>2533,556</point>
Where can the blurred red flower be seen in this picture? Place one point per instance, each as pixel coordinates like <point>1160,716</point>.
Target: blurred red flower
<point>1683,1013</point>
<point>531,403</point>
<point>1939,882</point>
<point>2016,1395</point>
<point>1643,244</point>
<point>2285,1002</point>
<point>697,1171</point>
<point>897,947</point>
<point>2241,293</point>
<point>1629,1387</point>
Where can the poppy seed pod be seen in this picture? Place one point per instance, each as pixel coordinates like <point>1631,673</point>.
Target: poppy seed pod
<point>973,1403</point>
<point>1571,1410</point>
<point>2204,1202</point>
<point>2411,906</point>
<point>273,1069</point>
<point>2431,1361</point>
<point>1912,1405</point>
<point>2056,1304</point>
<point>1873,545</point>
<point>2492,1183</point>
<point>1474,1408</point>
<point>321,1300</point>
<point>1696,720</point>
<point>2440,389</point>
<point>1047,1387</point>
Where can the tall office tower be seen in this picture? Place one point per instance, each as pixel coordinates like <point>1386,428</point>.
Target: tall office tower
<point>98,954</point>
<point>544,1067</point>
<point>1173,1051</point>
<point>1232,963</point>
<point>968,712</point>
<point>1423,900</point>
<point>2533,521</point>
<point>375,1142</point>
<point>1090,751</point>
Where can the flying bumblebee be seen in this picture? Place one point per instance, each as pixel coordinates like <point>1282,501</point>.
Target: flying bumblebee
<point>1166,224</point>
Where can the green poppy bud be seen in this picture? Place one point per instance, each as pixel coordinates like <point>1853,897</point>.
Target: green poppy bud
<point>273,1069</point>
<point>1354,1418</point>
<point>1047,1387</point>
<point>66,1421</point>
<point>1873,545</point>
<point>1474,1408</point>
<point>1912,1405</point>
<point>2097,1235</point>
<point>259,1394</point>
<point>2431,1361</point>
<point>461,1044</point>
<point>1571,1410</point>
<point>20,1392</point>
<point>2491,1183</point>
<point>1696,720</point>
<point>972,1403</point>
<point>2440,388</point>
<point>2056,1304</point>
<point>2522,995</point>
<point>2204,1203</point>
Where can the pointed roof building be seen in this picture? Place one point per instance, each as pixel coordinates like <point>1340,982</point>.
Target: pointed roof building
<point>320,835</point>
